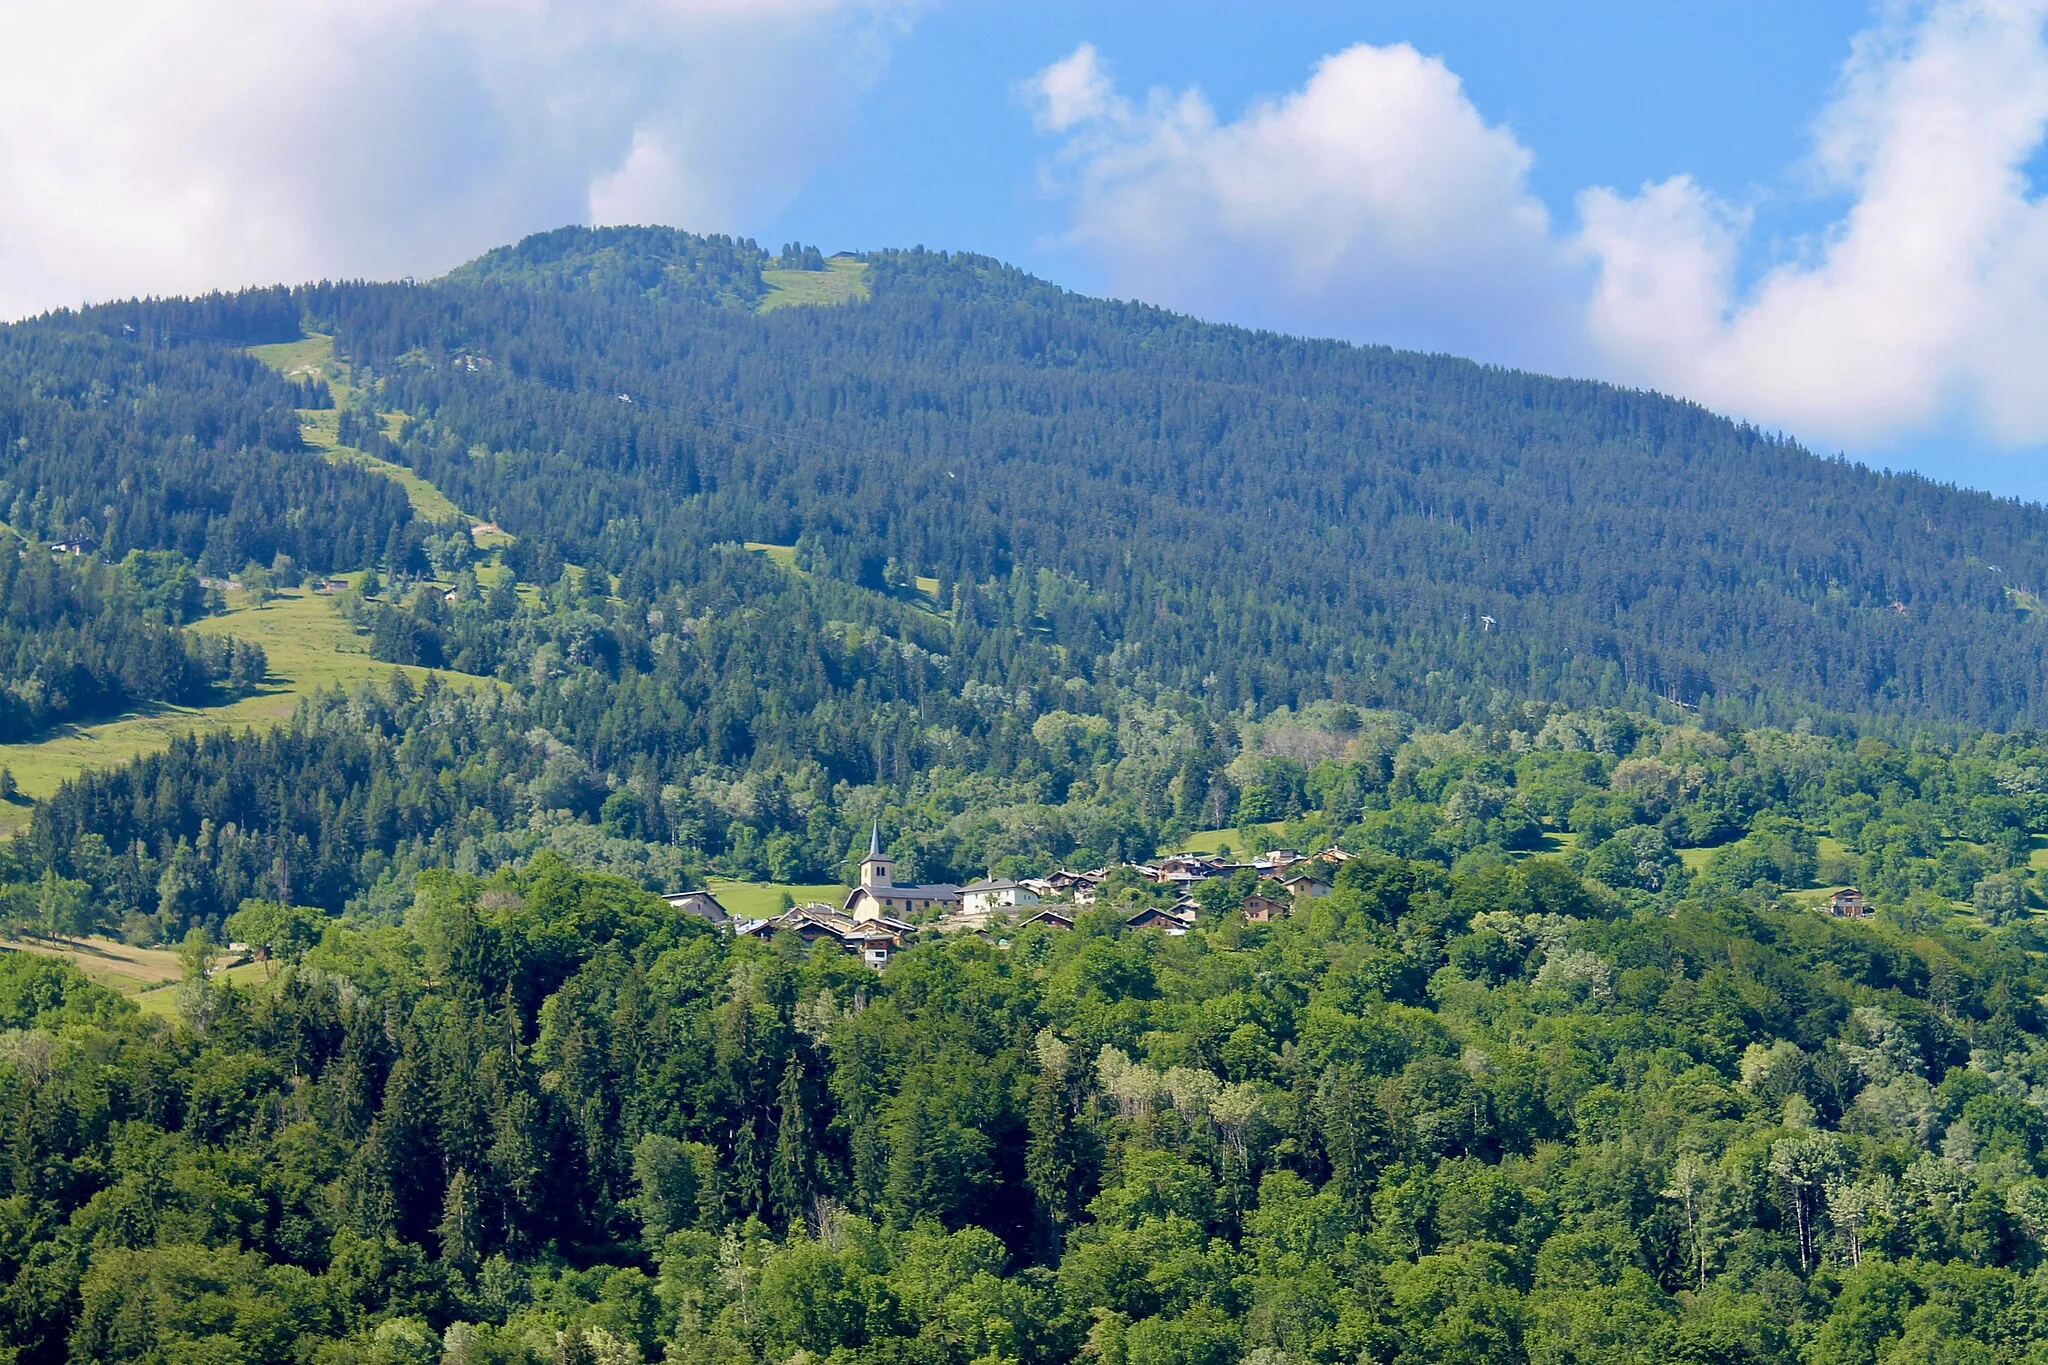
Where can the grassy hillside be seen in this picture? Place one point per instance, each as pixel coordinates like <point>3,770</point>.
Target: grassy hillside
<point>313,357</point>
<point>843,280</point>
<point>310,647</point>
<point>755,900</point>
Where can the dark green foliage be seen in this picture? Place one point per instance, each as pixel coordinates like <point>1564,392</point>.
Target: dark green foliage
<point>615,262</point>
<point>154,442</point>
<point>551,1119</point>
<point>1255,517</point>
<point>79,639</point>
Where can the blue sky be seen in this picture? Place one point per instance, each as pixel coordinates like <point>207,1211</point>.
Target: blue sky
<point>1822,216</point>
<point>943,152</point>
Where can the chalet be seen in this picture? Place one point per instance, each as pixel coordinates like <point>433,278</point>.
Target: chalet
<point>1000,894</point>
<point>1304,886</point>
<point>1061,882</point>
<point>1332,856</point>
<point>878,896</point>
<point>1264,909</point>
<point>702,904</point>
<point>1848,903</point>
<point>1174,920</point>
<point>872,941</point>
<point>1051,917</point>
<point>70,547</point>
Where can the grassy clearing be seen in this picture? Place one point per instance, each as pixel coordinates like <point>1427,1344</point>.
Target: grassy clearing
<point>316,428</point>
<point>784,555</point>
<point>145,975</point>
<point>307,358</point>
<point>314,356</point>
<point>758,900</point>
<point>310,647</point>
<point>1209,841</point>
<point>111,963</point>
<point>841,281</point>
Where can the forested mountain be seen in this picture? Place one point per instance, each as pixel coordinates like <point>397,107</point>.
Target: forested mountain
<point>1249,517</point>
<point>1602,695</point>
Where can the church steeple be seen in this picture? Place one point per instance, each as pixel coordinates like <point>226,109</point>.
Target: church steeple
<point>878,869</point>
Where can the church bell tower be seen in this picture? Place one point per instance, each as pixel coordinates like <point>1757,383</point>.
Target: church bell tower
<point>878,869</point>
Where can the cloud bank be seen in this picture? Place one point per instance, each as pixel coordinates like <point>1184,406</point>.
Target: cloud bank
<point>171,145</point>
<point>1376,202</point>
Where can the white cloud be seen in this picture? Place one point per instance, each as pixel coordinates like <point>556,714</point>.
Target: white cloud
<point>1375,191</point>
<point>1932,290</point>
<point>1377,203</point>
<point>172,145</point>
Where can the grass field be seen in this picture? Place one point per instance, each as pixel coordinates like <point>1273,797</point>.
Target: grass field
<point>785,555</point>
<point>309,646</point>
<point>758,900</point>
<point>143,974</point>
<point>110,963</point>
<point>841,281</point>
<point>1210,840</point>
<point>308,357</point>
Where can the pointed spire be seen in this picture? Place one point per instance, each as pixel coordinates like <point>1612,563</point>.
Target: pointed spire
<point>875,840</point>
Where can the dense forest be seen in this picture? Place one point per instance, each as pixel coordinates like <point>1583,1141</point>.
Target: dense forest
<point>1510,1115</point>
<point>1602,694</point>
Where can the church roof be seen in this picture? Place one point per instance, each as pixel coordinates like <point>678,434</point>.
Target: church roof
<point>875,840</point>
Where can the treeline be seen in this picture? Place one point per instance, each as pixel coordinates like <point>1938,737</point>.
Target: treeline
<point>1489,1117</point>
<point>82,639</point>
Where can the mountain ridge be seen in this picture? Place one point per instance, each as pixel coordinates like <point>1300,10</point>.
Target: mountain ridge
<point>1309,517</point>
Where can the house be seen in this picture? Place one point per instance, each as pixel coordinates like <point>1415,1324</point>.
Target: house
<point>1001,894</point>
<point>70,547</point>
<point>1187,868</point>
<point>1849,904</point>
<point>872,941</point>
<point>1052,917</point>
<point>878,896</point>
<point>1305,886</point>
<point>702,904</point>
<point>1332,856</point>
<point>1264,909</point>
<point>1155,917</point>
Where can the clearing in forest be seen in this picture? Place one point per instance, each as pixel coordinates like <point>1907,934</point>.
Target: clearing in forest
<point>310,646</point>
<point>843,280</point>
<point>313,357</point>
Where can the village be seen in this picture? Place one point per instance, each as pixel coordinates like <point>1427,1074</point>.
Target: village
<point>879,917</point>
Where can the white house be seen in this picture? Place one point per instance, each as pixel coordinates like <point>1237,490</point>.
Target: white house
<point>1002,894</point>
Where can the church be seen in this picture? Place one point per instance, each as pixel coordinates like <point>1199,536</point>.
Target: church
<point>879,898</point>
